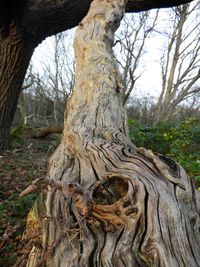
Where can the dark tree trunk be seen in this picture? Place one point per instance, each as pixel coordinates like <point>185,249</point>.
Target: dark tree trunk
<point>15,55</point>
<point>104,202</point>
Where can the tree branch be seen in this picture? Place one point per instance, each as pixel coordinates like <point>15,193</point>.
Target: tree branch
<point>43,18</point>
<point>142,5</point>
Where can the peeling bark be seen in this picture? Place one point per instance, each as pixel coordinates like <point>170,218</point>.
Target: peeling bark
<point>104,202</point>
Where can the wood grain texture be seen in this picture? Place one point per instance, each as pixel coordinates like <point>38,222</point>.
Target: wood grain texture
<point>104,202</point>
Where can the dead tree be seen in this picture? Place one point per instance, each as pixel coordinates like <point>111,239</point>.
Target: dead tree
<point>104,202</point>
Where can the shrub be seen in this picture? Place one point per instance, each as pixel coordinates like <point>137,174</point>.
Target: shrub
<point>15,135</point>
<point>181,141</point>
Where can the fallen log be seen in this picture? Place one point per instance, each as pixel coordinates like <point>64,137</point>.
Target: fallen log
<point>44,131</point>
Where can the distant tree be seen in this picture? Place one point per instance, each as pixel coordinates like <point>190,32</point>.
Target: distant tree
<point>58,73</point>
<point>130,47</point>
<point>141,108</point>
<point>180,62</point>
<point>48,83</point>
<point>34,103</point>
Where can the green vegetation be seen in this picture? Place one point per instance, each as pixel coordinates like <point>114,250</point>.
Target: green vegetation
<point>15,136</point>
<point>13,212</point>
<point>179,141</point>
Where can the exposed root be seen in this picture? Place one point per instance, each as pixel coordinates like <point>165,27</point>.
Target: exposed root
<point>107,202</point>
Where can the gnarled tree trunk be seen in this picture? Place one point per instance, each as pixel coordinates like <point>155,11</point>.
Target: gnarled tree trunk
<point>15,55</point>
<point>106,203</point>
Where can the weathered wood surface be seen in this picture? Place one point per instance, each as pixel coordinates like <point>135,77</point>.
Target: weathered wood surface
<point>106,203</point>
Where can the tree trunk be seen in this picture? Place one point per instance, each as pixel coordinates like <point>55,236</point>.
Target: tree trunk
<point>106,203</point>
<point>15,55</point>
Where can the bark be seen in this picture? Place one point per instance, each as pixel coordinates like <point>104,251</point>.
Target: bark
<point>15,55</point>
<point>104,202</point>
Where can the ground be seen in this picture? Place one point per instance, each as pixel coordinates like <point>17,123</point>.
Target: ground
<point>24,162</point>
